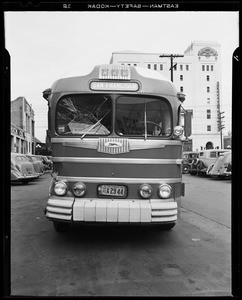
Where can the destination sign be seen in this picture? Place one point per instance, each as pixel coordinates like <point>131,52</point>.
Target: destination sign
<point>114,86</point>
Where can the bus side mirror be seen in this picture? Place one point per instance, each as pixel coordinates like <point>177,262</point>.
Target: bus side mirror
<point>188,123</point>
<point>46,93</point>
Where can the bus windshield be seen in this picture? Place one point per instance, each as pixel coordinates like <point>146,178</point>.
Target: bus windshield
<point>142,115</point>
<point>92,115</point>
<point>84,114</point>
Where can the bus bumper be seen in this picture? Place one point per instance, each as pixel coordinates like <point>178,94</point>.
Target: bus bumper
<point>108,210</point>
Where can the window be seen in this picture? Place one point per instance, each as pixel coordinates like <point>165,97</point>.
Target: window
<point>208,114</point>
<point>187,67</point>
<point>207,67</point>
<point>203,67</point>
<point>155,67</point>
<point>208,127</point>
<point>174,67</point>
<point>208,89</point>
<point>208,100</point>
<point>208,78</point>
<point>161,67</point>
<point>213,154</point>
<point>181,89</point>
<point>181,77</point>
<point>181,67</point>
<point>148,66</point>
<point>211,68</point>
<point>131,113</point>
<point>135,65</point>
<point>84,114</point>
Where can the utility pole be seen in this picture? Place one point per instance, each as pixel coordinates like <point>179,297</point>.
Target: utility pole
<point>219,114</point>
<point>220,126</point>
<point>172,56</point>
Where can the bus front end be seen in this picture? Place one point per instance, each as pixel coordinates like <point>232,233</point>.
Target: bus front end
<point>116,149</point>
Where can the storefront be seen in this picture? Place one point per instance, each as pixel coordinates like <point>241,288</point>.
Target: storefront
<point>18,139</point>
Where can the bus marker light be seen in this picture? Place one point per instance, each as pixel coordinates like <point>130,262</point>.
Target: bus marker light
<point>178,130</point>
<point>114,72</point>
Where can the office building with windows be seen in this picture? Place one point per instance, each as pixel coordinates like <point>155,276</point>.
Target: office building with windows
<point>197,74</point>
<point>22,127</point>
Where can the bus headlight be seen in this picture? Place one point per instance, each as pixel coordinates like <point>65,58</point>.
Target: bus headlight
<point>60,188</point>
<point>145,191</point>
<point>164,191</point>
<point>79,189</point>
<point>178,130</point>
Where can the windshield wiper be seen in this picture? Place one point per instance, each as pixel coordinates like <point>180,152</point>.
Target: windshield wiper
<point>94,125</point>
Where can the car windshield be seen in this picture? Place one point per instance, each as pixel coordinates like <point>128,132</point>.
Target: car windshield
<point>34,158</point>
<point>21,158</point>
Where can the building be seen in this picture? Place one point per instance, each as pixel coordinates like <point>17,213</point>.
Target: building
<point>228,141</point>
<point>197,74</point>
<point>18,142</point>
<point>22,128</point>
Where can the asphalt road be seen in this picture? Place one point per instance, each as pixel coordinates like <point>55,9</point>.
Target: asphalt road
<point>193,259</point>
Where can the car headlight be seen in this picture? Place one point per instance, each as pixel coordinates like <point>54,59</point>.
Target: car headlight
<point>60,188</point>
<point>79,189</point>
<point>145,191</point>
<point>164,191</point>
<point>178,130</point>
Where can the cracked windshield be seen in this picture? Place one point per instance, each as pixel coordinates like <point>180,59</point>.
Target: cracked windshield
<point>84,114</point>
<point>92,115</point>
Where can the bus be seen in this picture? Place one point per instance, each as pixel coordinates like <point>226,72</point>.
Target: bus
<point>116,143</point>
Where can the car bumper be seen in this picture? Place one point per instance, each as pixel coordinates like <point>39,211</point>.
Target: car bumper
<point>116,211</point>
<point>218,174</point>
<point>27,177</point>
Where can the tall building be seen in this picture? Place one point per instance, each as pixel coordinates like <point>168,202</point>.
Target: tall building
<point>197,74</point>
<point>22,119</point>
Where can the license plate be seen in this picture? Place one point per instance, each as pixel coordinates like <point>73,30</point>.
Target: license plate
<point>112,190</point>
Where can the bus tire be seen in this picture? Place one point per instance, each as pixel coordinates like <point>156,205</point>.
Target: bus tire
<point>25,181</point>
<point>193,172</point>
<point>61,226</point>
<point>166,226</point>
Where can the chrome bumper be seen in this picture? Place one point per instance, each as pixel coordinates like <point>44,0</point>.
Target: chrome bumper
<point>108,210</point>
<point>22,177</point>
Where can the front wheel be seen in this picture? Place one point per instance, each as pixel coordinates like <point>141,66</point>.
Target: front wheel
<point>166,226</point>
<point>25,181</point>
<point>193,172</point>
<point>61,226</point>
<point>185,169</point>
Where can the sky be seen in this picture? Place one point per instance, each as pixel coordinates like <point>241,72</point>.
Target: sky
<point>46,46</point>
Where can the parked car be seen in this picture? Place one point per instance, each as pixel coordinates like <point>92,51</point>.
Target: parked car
<point>22,169</point>
<point>222,168</point>
<point>204,160</point>
<point>187,159</point>
<point>48,164</point>
<point>38,164</point>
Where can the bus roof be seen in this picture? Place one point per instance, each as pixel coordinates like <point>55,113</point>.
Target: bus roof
<point>143,81</point>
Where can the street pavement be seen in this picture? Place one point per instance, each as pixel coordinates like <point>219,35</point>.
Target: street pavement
<point>192,259</point>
